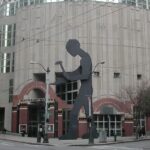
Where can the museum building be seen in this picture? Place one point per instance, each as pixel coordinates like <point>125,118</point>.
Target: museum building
<point>115,33</point>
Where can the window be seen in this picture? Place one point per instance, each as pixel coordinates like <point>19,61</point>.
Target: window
<point>67,91</point>
<point>13,62</point>
<point>111,123</point>
<point>2,116</point>
<point>131,2</point>
<point>66,120</point>
<point>8,9</point>
<point>7,35</point>
<point>14,34</point>
<point>139,76</point>
<point>11,85</point>
<point>142,3</point>
<point>116,75</point>
<point>7,62</point>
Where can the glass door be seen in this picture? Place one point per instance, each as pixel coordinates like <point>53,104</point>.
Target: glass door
<point>112,124</point>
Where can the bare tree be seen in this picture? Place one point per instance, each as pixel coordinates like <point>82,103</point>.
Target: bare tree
<point>140,98</point>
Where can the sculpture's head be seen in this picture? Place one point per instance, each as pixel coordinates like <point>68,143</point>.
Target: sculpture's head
<point>73,47</point>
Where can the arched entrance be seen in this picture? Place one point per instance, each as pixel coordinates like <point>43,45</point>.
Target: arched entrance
<point>109,116</point>
<point>110,120</point>
<point>36,111</point>
<point>28,110</point>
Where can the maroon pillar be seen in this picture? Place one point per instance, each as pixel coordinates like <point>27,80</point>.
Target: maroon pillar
<point>60,123</point>
<point>128,128</point>
<point>83,127</point>
<point>14,119</point>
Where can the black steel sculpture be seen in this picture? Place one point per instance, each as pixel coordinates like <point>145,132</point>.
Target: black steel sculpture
<point>84,74</point>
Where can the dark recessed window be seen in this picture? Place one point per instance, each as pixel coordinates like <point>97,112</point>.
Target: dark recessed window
<point>116,75</point>
<point>139,76</point>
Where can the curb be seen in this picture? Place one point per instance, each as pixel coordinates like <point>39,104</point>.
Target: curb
<point>44,144</point>
<point>82,145</point>
<point>111,143</point>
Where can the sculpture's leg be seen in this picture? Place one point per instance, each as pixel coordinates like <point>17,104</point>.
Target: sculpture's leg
<point>86,107</point>
<point>72,133</point>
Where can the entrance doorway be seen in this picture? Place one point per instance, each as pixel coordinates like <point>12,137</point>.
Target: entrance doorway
<point>111,123</point>
<point>2,115</point>
<point>36,117</point>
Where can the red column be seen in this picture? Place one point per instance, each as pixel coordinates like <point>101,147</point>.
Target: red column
<point>60,123</point>
<point>14,119</point>
<point>148,123</point>
<point>128,128</point>
<point>83,127</point>
<point>23,116</point>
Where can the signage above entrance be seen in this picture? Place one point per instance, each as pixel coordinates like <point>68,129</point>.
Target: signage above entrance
<point>32,100</point>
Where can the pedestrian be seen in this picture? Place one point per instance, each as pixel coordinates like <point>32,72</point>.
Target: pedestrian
<point>143,131</point>
<point>23,132</point>
<point>41,131</point>
<point>140,132</point>
<point>123,132</point>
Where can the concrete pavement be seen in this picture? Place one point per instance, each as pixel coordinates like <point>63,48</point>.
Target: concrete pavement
<point>77,142</point>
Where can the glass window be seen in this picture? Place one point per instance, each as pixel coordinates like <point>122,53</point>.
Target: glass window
<point>36,2</point>
<point>116,75</point>
<point>21,3</point>
<point>5,63</point>
<point>67,91</point>
<point>12,9</point>
<point>110,123</point>
<point>66,120</point>
<point>0,37</point>
<point>11,84</point>
<point>13,62</point>
<point>14,34</point>
<point>7,35</point>
<point>25,2</point>
<point>31,2</point>
<point>142,3</point>
<point>8,9</point>
<point>131,2</point>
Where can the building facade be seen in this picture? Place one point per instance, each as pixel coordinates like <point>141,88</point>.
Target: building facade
<point>116,35</point>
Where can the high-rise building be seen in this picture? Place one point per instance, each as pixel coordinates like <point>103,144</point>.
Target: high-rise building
<point>116,35</point>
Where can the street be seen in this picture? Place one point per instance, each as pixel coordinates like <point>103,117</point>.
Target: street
<point>5,145</point>
<point>141,145</point>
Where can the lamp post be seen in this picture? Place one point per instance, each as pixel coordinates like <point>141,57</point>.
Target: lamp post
<point>47,71</point>
<point>90,121</point>
<point>99,63</point>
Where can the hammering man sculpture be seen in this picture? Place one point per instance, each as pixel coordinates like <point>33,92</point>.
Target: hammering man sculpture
<point>84,74</point>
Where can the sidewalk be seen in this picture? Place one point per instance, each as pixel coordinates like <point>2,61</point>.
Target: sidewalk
<point>77,142</point>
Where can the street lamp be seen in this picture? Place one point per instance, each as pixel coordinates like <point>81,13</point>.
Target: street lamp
<point>47,71</point>
<point>99,63</point>
<point>90,121</point>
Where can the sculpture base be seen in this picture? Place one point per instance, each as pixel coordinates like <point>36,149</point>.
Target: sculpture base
<point>45,140</point>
